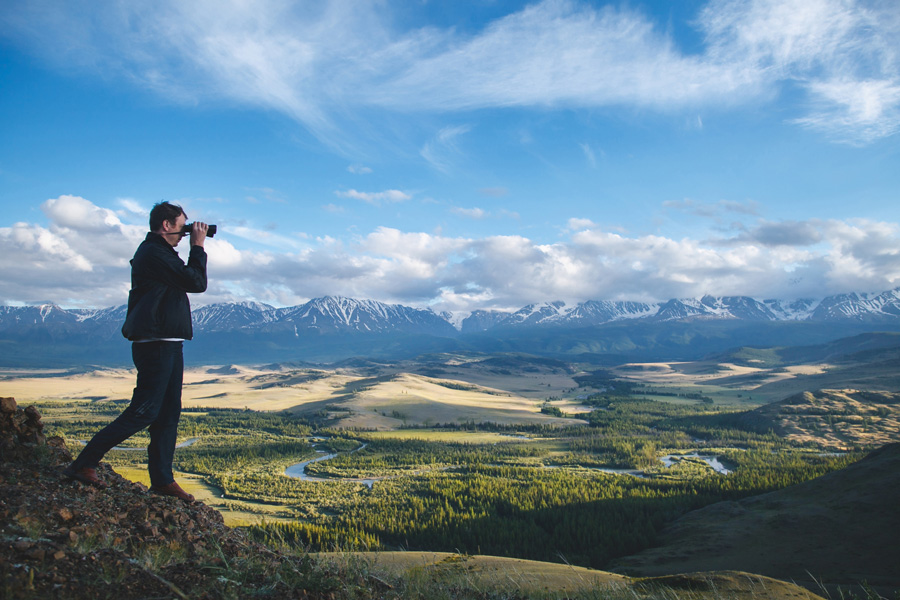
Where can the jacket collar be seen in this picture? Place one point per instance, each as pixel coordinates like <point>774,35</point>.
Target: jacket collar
<point>155,238</point>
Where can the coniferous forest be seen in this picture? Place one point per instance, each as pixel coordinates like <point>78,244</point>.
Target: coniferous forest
<point>578,494</point>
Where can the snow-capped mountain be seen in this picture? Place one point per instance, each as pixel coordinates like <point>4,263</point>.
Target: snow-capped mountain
<point>859,307</point>
<point>232,315</point>
<point>335,328</point>
<point>339,314</point>
<point>335,314</point>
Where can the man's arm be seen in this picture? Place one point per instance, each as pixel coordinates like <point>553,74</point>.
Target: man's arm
<point>168,268</point>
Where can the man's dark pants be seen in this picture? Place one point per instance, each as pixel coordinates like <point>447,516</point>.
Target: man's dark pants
<point>156,404</point>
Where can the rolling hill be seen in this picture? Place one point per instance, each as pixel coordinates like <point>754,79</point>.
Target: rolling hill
<point>840,529</point>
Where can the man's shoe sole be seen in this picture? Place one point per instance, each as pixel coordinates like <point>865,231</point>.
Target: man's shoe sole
<point>189,498</point>
<point>75,476</point>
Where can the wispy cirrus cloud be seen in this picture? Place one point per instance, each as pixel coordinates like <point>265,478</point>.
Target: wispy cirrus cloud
<point>443,148</point>
<point>712,209</point>
<point>375,198</point>
<point>320,62</point>
<point>471,213</point>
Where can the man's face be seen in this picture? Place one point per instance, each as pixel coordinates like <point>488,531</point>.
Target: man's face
<point>171,230</point>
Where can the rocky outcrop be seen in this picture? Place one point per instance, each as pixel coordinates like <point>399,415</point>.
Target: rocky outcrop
<point>63,539</point>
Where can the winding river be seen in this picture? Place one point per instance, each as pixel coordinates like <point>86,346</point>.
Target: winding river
<point>298,471</point>
<point>670,460</point>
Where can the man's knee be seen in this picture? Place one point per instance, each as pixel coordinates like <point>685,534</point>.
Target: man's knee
<point>144,408</point>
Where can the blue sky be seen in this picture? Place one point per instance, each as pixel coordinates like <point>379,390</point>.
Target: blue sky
<point>454,155</point>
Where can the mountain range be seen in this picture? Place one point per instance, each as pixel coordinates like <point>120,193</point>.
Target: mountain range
<point>337,327</point>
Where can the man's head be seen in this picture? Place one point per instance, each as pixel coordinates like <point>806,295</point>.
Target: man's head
<point>167,220</point>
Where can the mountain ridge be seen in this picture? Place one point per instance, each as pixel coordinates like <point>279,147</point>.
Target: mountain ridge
<point>335,328</point>
<point>339,313</point>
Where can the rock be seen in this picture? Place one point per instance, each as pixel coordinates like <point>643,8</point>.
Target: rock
<point>34,417</point>
<point>8,405</point>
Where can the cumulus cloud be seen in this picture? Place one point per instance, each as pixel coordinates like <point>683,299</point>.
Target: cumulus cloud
<point>785,233</point>
<point>72,260</point>
<point>578,224</point>
<point>319,62</point>
<point>78,257</point>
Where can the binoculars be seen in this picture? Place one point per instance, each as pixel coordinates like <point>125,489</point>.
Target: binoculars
<point>186,230</point>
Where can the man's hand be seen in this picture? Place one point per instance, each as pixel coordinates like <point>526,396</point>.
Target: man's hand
<point>198,233</point>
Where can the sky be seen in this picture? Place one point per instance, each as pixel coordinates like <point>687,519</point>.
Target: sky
<point>454,155</point>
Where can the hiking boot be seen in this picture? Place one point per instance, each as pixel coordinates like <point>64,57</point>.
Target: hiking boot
<point>84,475</point>
<point>171,489</point>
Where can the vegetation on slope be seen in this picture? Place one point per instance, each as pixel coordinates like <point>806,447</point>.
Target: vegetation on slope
<point>60,539</point>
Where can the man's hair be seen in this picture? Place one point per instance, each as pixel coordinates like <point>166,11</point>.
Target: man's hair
<point>164,211</point>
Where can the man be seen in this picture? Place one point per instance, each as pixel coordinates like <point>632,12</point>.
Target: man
<point>158,321</point>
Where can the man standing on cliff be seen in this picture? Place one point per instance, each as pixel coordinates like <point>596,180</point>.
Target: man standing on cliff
<point>158,322</point>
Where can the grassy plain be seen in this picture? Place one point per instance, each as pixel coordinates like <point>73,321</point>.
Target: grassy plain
<point>450,388</point>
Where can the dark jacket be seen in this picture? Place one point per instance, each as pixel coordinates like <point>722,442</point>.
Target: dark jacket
<point>158,306</point>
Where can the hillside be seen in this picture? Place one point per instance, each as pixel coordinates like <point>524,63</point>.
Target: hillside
<point>60,539</point>
<point>840,528</point>
<point>832,419</point>
<point>389,402</point>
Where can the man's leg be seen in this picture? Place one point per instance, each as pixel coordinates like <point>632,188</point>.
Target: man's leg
<point>164,430</point>
<point>153,374</point>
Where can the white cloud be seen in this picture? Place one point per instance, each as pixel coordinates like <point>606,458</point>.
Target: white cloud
<point>578,224</point>
<point>856,112</point>
<point>320,62</point>
<point>268,238</point>
<point>82,256</point>
<point>589,155</point>
<point>77,213</point>
<point>471,213</point>
<point>444,148</point>
<point>843,53</point>
<point>375,197</point>
<point>70,261</point>
<point>133,207</point>
<point>359,170</point>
